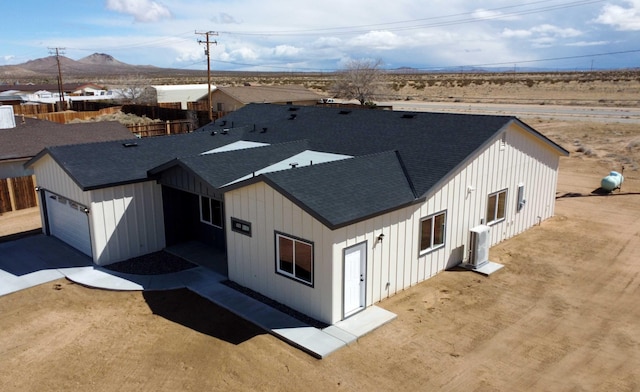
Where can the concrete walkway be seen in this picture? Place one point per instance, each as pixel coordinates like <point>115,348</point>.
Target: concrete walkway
<point>34,260</point>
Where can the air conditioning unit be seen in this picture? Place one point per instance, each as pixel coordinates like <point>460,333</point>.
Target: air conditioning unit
<point>479,246</point>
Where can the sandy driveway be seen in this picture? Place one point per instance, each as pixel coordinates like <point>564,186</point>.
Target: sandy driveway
<point>563,314</point>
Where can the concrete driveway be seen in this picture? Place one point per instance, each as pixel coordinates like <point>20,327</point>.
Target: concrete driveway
<point>36,259</point>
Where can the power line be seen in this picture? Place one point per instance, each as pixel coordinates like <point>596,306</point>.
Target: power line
<point>57,52</point>
<point>493,14</point>
<point>207,52</point>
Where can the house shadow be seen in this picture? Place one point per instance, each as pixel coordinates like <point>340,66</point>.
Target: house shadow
<point>184,307</point>
<point>596,192</point>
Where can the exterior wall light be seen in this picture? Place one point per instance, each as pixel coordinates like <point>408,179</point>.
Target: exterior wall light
<point>380,237</point>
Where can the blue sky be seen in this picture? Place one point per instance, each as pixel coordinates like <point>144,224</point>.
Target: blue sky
<point>321,35</point>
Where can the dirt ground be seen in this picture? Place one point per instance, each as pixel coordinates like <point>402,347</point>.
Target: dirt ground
<point>563,315</point>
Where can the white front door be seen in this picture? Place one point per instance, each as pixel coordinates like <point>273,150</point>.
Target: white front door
<point>355,279</point>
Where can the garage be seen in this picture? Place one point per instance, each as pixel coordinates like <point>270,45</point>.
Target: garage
<point>68,221</point>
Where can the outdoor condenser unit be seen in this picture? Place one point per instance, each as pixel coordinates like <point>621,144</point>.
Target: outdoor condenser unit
<point>479,246</point>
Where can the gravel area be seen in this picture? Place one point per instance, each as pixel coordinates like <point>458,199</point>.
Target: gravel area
<point>276,305</point>
<point>156,263</point>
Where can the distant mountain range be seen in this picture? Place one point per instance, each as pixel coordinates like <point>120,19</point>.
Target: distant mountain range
<point>96,65</point>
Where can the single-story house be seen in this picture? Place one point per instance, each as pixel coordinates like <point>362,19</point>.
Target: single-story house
<point>22,138</point>
<point>325,210</point>
<point>227,99</point>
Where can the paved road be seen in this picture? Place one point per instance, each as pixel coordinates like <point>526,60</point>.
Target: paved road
<point>568,113</point>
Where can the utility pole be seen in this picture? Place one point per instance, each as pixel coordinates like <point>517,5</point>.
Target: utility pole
<point>207,52</point>
<point>57,52</point>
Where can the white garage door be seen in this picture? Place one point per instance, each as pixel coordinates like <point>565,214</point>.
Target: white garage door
<point>68,222</point>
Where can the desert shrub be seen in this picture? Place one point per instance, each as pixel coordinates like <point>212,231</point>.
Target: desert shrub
<point>419,86</point>
<point>633,144</point>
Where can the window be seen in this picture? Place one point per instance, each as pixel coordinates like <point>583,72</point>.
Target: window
<point>240,226</point>
<point>432,231</point>
<point>294,258</point>
<point>495,207</point>
<point>211,211</point>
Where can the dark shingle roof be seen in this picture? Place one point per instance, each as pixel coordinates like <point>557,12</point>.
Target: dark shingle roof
<point>29,137</point>
<point>429,144</point>
<point>99,165</point>
<point>224,167</point>
<point>398,157</point>
<point>338,193</point>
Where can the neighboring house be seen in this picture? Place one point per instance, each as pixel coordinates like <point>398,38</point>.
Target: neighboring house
<point>49,93</point>
<point>325,210</point>
<point>227,99</point>
<point>22,138</point>
<point>181,93</point>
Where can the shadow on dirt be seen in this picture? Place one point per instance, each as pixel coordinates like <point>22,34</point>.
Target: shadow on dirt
<point>188,309</point>
<point>596,192</point>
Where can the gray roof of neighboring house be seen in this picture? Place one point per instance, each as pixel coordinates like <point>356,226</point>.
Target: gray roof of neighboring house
<point>30,136</point>
<point>268,94</point>
<point>391,158</point>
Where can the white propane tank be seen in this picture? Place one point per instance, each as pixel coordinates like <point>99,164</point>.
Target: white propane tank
<point>612,181</point>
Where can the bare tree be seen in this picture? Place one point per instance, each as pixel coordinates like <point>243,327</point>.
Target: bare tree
<point>135,89</point>
<point>359,79</point>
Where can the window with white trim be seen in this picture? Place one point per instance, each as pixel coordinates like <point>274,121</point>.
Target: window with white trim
<point>432,232</point>
<point>496,207</point>
<point>211,211</point>
<point>294,258</point>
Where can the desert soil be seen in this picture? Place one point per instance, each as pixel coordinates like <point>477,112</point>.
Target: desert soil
<point>563,314</point>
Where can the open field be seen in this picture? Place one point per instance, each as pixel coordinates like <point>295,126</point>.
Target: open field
<point>562,314</point>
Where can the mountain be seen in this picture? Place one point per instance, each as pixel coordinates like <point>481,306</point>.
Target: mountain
<point>97,65</point>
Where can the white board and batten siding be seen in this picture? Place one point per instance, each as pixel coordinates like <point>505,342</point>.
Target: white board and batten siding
<point>395,263</point>
<point>130,216</point>
<point>132,221</point>
<point>252,260</point>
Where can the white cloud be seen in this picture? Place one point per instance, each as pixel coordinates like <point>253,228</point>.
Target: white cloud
<point>589,43</point>
<point>486,14</point>
<point>625,19</point>
<point>378,40</point>
<point>508,33</point>
<point>141,10</point>
<point>554,31</point>
<point>224,19</point>
<point>286,51</point>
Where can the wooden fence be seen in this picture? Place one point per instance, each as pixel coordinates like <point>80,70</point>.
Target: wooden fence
<point>67,117</point>
<point>32,110</point>
<point>158,129</point>
<point>17,193</point>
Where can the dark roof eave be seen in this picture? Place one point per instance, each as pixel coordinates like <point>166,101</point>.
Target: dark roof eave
<point>330,225</point>
<point>113,184</point>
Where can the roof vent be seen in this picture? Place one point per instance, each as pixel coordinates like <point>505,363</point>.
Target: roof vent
<point>225,131</point>
<point>292,116</point>
<point>408,115</point>
<point>264,130</point>
<point>344,112</point>
<point>213,133</point>
<point>130,144</point>
<point>293,165</point>
<point>224,122</point>
<point>293,109</point>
